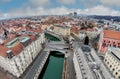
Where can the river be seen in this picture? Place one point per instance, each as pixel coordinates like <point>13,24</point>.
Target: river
<point>53,67</point>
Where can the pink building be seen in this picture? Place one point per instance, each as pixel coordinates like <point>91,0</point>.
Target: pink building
<point>109,38</point>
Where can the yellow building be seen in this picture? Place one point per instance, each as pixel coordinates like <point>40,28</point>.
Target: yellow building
<point>112,61</point>
<point>43,27</point>
<point>64,30</point>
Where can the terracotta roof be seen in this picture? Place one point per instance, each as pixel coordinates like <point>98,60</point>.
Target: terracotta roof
<point>17,49</point>
<point>8,40</point>
<point>32,37</point>
<point>3,50</point>
<point>75,29</point>
<point>39,30</point>
<point>112,34</point>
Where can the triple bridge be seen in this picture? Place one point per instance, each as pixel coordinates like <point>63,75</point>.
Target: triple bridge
<point>59,46</point>
<point>37,66</point>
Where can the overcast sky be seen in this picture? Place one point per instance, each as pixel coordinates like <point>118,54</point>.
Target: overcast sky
<point>16,8</point>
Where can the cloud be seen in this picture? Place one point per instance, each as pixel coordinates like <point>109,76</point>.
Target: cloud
<point>111,2</point>
<point>101,10</point>
<point>37,3</point>
<point>3,15</point>
<point>28,11</point>
<point>66,1</point>
<point>89,3</point>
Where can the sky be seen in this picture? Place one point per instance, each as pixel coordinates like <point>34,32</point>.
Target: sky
<point>19,8</point>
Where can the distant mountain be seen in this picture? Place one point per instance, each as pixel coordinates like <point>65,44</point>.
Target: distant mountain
<point>114,18</point>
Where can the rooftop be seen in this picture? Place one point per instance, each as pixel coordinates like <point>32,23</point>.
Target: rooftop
<point>112,34</point>
<point>24,39</point>
<point>64,27</point>
<point>115,52</point>
<point>18,37</point>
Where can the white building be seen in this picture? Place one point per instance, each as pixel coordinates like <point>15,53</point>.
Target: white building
<point>112,61</point>
<point>17,54</point>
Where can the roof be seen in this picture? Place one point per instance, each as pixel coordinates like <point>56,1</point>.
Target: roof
<point>38,30</point>
<point>17,49</point>
<point>24,39</point>
<point>115,52</point>
<point>33,37</point>
<point>112,34</point>
<point>8,40</point>
<point>3,51</point>
<point>64,27</point>
<point>16,42</point>
<point>75,29</point>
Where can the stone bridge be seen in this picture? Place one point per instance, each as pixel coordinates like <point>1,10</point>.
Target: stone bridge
<point>59,46</point>
<point>55,35</point>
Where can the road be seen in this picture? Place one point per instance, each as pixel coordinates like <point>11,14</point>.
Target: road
<point>69,66</point>
<point>32,71</point>
<point>69,62</point>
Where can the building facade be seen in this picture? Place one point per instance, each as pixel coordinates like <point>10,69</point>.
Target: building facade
<point>64,30</point>
<point>108,38</point>
<point>17,54</point>
<point>112,61</point>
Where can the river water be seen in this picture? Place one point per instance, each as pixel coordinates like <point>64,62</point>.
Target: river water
<point>53,67</point>
<point>50,37</point>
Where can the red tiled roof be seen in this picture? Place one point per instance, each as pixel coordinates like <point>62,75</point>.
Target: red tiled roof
<point>3,50</point>
<point>75,29</point>
<point>32,37</point>
<point>8,40</point>
<point>112,34</point>
<point>17,49</point>
<point>38,30</point>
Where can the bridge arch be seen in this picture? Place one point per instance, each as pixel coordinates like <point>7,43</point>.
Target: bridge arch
<point>57,52</point>
<point>57,36</point>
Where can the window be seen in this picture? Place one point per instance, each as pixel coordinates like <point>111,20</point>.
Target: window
<point>116,73</point>
<point>110,66</point>
<point>113,42</point>
<point>113,69</point>
<point>105,60</point>
<point>114,45</point>
<point>119,46</point>
<point>103,44</point>
<point>104,41</point>
<point>118,43</point>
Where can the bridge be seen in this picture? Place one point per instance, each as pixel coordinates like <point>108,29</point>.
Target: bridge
<point>57,35</point>
<point>59,46</point>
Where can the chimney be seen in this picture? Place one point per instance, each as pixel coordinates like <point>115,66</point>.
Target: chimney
<point>5,33</point>
<point>9,54</point>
